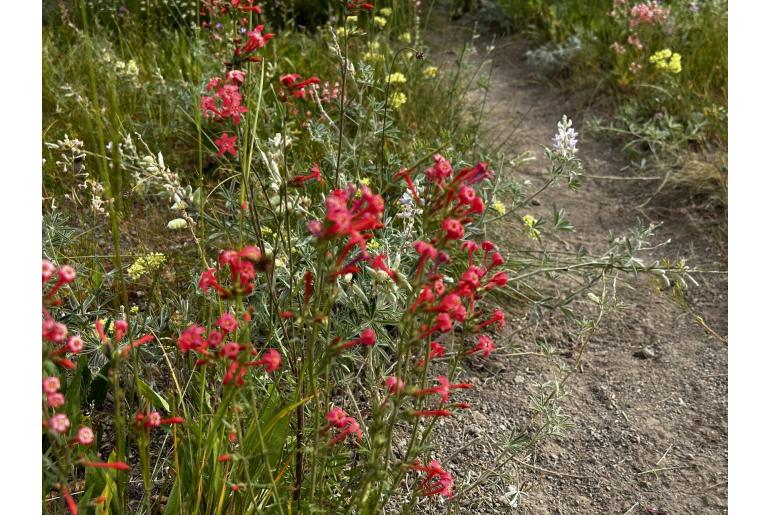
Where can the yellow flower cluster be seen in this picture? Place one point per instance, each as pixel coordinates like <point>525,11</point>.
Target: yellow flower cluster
<point>498,206</point>
<point>667,60</point>
<point>386,11</point>
<point>530,222</point>
<point>373,245</point>
<point>379,21</point>
<point>397,78</point>
<point>373,54</point>
<point>397,99</point>
<point>406,37</point>
<point>146,264</point>
<point>430,72</point>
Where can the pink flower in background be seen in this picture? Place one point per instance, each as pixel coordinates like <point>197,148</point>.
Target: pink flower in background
<point>226,144</point>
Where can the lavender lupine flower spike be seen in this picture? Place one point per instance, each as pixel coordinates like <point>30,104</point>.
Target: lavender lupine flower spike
<point>565,140</point>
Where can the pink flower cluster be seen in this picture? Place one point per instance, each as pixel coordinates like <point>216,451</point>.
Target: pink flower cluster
<point>212,346</point>
<point>344,423</point>
<point>437,481</point>
<point>647,13</point>
<point>242,265</point>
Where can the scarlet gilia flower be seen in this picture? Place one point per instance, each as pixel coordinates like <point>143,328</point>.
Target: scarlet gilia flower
<point>256,40</point>
<point>121,328</point>
<point>227,322</point>
<point>74,344</point>
<point>54,331</point>
<point>360,5</point>
<point>153,419</point>
<point>225,103</point>
<point>115,465</point>
<point>246,5</point>
<point>48,270</point>
<point>192,338</point>
<point>226,143</point>
<point>366,338</point>
<point>443,389</point>
<point>223,458</point>
<point>351,217</point>
<point>485,346</point>
<point>85,436</point>
<point>147,338</point>
<point>346,425</point>
<point>296,85</point>
<point>453,229</point>
<point>498,317</point>
<point>440,171</point>
<point>378,263</point>
<point>51,384</point>
<point>243,266</point>
<point>406,174</point>
<point>438,480</point>
<point>71,504</point>
<point>59,423</point>
<point>286,314</point>
<point>271,360</point>
<point>314,175</point>
<point>54,400</point>
<point>442,323</point>
<point>394,385</point>
<point>436,351</point>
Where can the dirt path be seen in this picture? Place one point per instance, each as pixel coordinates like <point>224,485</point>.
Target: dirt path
<point>649,433</point>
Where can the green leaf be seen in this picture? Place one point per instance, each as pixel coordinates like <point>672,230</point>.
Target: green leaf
<point>151,395</point>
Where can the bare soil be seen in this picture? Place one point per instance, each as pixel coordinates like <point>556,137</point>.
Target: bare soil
<point>650,434</point>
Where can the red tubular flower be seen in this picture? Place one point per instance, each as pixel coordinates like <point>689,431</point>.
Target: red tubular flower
<point>71,505</point>
<point>308,286</point>
<point>406,174</point>
<point>115,465</point>
<point>436,351</point>
<point>172,421</point>
<point>286,314</point>
<point>339,419</point>
<point>394,385</point>
<point>121,328</point>
<point>226,143</point>
<point>227,322</point>
<point>367,338</point>
<point>485,346</point>
<point>350,217</point>
<point>255,41</point>
<point>223,458</point>
<point>192,338</point>
<point>314,175</point>
<point>443,323</point>
<point>443,389</point>
<point>498,317</point>
<point>440,171</point>
<point>378,263</point>
<point>438,480</point>
<point>137,343</point>
<point>48,270</point>
<point>54,331</point>
<point>453,229</point>
<point>271,360</point>
<point>236,76</point>
<point>289,79</point>
<point>500,279</point>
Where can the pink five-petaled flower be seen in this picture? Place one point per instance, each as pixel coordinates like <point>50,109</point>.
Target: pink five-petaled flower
<point>51,384</point>
<point>436,351</point>
<point>485,346</point>
<point>443,389</point>
<point>339,419</point>
<point>271,360</point>
<point>227,322</point>
<point>336,417</point>
<point>54,331</point>
<point>443,323</point>
<point>85,436</point>
<point>236,76</point>
<point>74,344</point>
<point>394,385</point>
<point>59,423</point>
<point>48,270</point>
<point>349,216</point>
<point>226,143</point>
<point>67,274</point>
<point>367,338</point>
<point>192,338</point>
<point>453,229</point>
<point>55,400</point>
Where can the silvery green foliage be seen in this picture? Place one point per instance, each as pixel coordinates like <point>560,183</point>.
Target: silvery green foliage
<point>551,57</point>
